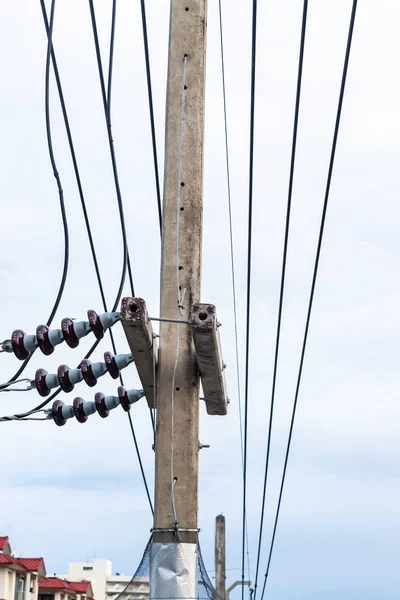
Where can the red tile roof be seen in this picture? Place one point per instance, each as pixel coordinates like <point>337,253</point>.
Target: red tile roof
<point>52,583</point>
<point>31,564</point>
<point>3,541</point>
<point>80,586</point>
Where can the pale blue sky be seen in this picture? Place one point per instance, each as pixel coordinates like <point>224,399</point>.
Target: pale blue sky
<point>75,492</point>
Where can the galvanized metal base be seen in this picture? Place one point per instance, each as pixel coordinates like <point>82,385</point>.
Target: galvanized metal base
<point>173,571</point>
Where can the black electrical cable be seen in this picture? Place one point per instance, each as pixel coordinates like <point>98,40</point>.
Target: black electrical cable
<point>317,257</point>
<point>60,192</point>
<point>111,60</point>
<point>228,181</point>
<point>81,195</point>
<point>74,161</point>
<point>153,135</point>
<point>107,111</point>
<point>106,106</point>
<point>111,146</point>
<point>249,254</point>
<point>25,416</point>
<point>55,171</point>
<point>151,109</point>
<point>283,276</point>
<point>140,464</point>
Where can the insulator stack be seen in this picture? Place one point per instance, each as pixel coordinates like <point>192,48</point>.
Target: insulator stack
<point>102,404</point>
<point>71,332</point>
<point>61,412</point>
<point>89,372</point>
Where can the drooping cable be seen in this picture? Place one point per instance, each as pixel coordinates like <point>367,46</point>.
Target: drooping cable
<point>107,109</point>
<point>249,256</point>
<point>36,409</point>
<point>314,278</point>
<point>54,165</point>
<point>74,162</point>
<point>107,112</point>
<point>60,191</point>
<point>233,277</point>
<point>282,284</point>
<point>153,141</point>
<point>151,109</point>
<point>110,140</point>
<point>80,188</point>
<point>111,60</point>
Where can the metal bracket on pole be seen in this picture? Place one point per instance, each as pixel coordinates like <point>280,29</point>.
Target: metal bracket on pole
<point>142,343</point>
<point>230,588</point>
<point>205,330</point>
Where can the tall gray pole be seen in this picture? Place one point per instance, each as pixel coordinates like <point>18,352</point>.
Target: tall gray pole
<point>177,443</point>
<point>220,556</point>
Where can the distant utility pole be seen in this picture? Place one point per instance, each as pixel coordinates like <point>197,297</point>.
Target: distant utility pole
<point>220,556</point>
<point>177,441</point>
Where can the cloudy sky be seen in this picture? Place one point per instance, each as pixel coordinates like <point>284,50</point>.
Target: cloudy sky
<point>74,493</point>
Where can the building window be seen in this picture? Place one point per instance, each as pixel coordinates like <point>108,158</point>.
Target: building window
<point>46,596</point>
<point>19,587</point>
<point>88,568</point>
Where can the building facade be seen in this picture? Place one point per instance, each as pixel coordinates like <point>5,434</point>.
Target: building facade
<point>54,588</point>
<point>105,585</point>
<point>96,572</point>
<point>25,579</point>
<point>19,577</point>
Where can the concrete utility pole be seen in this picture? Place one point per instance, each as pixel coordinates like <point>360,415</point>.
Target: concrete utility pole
<point>177,442</point>
<point>220,556</point>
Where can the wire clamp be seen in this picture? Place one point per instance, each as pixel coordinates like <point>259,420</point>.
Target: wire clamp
<point>6,387</point>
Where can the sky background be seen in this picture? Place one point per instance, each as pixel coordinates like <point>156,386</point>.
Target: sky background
<point>75,493</point>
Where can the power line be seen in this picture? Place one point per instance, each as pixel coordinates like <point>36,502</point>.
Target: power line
<point>249,253</point>
<point>54,165</point>
<point>151,109</point>
<point>153,139</point>
<point>283,276</point>
<point>228,180</point>
<point>318,252</point>
<point>111,143</point>
<point>107,112</point>
<point>60,191</point>
<point>25,416</point>
<point>74,161</point>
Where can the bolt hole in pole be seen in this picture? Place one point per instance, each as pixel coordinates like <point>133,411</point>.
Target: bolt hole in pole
<point>203,316</point>
<point>133,307</point>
